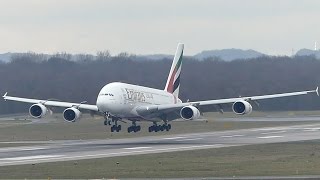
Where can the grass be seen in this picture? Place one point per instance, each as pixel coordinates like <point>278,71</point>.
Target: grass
<point>294,158</point>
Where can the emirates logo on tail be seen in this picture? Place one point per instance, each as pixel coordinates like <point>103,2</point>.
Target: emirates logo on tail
<point>173,81</point>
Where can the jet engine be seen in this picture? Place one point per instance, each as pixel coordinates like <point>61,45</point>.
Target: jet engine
<point>242,107</point>
<point>189,113</point>
<point>71,114</point>
<point>38,110</point>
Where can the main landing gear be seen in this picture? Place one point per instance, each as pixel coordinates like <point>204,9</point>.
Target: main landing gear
<point>113,122</point>
<point>156,128</point>
<point>134,128</point>
<point>116,128</point>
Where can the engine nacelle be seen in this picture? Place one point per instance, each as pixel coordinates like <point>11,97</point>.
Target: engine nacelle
<point>71,114</point>
<point>189,113</point>
<point>38,110</point>
<point>242,107</point>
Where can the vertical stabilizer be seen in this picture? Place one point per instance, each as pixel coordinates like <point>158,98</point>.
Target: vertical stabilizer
<point>173,81</point>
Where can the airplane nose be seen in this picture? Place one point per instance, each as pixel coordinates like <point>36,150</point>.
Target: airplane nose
<point>105,104</point>
<point>100,103</point>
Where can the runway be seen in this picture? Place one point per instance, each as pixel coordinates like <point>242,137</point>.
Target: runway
<point>51,151</point>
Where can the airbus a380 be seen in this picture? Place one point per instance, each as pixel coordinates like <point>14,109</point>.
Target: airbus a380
<point>118,101</point>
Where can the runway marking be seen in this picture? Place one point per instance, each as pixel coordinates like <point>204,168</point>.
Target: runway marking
<point>32,148</point>
<point>194,139</point>
<point>273,129</point>
<point>284,128</point>
<point>311,129</point>
<point>30,157</point>
<point>133,148</point>
<point>22,148</point>
<point>179,137</point>
<point>148,150</point>
<point>268,137</point>
<point>237,135</point>
<point>274,132</point>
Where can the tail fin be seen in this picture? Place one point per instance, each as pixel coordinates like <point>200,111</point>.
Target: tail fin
<point>173,81</point>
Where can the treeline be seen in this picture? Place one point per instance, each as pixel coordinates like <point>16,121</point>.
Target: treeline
<point>60,77</point>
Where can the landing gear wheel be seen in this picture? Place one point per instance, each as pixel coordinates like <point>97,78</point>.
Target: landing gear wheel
<point>135,129</point>
<point>118,128</point>
<point>156,128</point>
<point>163,127</point>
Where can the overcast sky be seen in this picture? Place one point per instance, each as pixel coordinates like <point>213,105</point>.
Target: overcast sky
<point>156,26</point>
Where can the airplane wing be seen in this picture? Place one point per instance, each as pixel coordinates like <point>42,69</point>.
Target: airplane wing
<point>168,108</point>
<point>51,103</point>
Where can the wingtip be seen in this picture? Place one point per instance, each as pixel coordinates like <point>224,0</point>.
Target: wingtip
<point>5,94</point>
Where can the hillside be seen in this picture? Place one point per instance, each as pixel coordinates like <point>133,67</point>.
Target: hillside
<point>229,54</point>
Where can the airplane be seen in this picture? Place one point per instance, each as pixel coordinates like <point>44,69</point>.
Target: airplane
<point>119,101</point>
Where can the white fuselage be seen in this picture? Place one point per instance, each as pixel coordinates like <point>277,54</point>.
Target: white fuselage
<point>121,99</point>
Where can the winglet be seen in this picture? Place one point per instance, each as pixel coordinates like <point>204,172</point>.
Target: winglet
<point>317,90</point>
<point>5,94</point>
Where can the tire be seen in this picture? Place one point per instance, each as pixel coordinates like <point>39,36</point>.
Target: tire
<point>164,127</point>
<point>105,123</point>
<point>112,128</point>
<point>169,126</point>
<point>150,129</point>
<point>118,128</point>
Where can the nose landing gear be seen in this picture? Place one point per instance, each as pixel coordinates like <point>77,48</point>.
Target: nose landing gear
<point>109,120</point>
